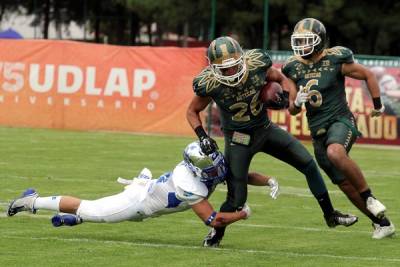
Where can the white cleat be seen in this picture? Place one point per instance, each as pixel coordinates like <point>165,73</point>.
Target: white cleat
<point>383,231</point>
<point>376,207</point>
<point>24,203</point>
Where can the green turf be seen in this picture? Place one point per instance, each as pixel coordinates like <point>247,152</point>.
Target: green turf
<point>287,232</point>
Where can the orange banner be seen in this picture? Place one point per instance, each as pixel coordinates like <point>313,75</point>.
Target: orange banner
<point>72,85</point>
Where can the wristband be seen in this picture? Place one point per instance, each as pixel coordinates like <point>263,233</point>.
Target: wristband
<point>211,218</point>
<point>199,130</point>
<point>377,102</point>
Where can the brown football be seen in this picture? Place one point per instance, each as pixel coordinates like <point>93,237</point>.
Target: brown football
<point>269,92</point>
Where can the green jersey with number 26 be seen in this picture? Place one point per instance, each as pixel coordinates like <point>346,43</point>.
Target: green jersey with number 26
<point>240,106</point>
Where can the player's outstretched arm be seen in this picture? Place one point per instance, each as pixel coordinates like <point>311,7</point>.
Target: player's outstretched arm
<point>211,218</point>
<point>258,179</point>
<point>207,144</point>
<point>197,105</point>
<point>359,72</point>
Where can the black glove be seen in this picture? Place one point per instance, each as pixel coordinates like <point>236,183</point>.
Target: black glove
<point>282,101</point>
<point>207,144</point>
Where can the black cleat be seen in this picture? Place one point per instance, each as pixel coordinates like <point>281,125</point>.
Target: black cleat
<point>337,218</point>
<point>213,238</point>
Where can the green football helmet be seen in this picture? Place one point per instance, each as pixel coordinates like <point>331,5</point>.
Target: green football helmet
<point>225,53</point>
<point>309,36</point>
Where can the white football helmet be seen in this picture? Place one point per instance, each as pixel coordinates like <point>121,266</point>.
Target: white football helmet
<point>209,168</point>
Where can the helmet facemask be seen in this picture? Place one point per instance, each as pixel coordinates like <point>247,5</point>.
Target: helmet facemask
<point>303,44</point>
<point>308,38</point>
<point>219,70</point>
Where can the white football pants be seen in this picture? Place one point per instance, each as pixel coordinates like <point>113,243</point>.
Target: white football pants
<point>125,206</point>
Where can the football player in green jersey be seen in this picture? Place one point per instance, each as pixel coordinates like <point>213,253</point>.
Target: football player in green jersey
<point>317,75</point>
<point>233,80</point>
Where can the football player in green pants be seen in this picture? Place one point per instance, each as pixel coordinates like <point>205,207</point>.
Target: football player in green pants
<point>234,80</point>
<point>317,75</point>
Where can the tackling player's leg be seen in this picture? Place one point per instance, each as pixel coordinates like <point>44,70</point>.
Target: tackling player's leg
<point>23,203</point>
<point>115,208</point>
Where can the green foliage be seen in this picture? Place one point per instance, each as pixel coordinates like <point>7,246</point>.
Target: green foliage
<point>367,27</point>
<point>289,231</point>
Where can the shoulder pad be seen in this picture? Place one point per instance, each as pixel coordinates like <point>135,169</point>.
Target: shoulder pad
<point>257,58</point>
<point>289,65</point>
<point>205,83</point>
<point>188,187</point>
<point>340,54</point>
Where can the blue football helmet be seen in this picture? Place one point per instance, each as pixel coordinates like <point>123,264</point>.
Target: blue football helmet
<point>209,168</point>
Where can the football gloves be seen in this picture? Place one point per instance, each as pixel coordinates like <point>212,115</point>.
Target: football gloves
<point>208,145</point>
<point>377,112</point>
<point>274,188</point>
<point>247,210</point>
<point>301,98</point>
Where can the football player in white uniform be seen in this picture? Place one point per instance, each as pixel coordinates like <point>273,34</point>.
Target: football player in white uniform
<point>187,186</point>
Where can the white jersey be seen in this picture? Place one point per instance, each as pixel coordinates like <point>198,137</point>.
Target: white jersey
<point>171,192</point>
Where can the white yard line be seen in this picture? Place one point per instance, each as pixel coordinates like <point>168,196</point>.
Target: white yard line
<point>181,247</point>
<point>250,225</point>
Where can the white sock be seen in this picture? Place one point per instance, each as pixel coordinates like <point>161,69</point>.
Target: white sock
<point>48,203</point>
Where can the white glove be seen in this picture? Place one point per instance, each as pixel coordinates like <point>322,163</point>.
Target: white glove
<point>301,98</point>
<point>144,174</point>
<point>247,210</point>
<point>377,112</point>
<point>274,188</point>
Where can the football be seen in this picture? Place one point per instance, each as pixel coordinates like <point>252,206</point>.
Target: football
<point>269,93</point>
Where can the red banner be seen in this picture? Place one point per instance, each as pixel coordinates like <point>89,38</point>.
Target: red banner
<point>71,85</point>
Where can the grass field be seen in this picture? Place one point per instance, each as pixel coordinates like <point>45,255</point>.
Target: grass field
<point>289,231</point>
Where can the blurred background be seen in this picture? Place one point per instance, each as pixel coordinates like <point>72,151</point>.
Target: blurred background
<point>367,27</point>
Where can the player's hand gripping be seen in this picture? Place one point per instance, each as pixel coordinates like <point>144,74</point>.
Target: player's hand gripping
<point>301,98</point>
<point>208,145</point>
<point>246,209</point>
<point>377,112</point>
